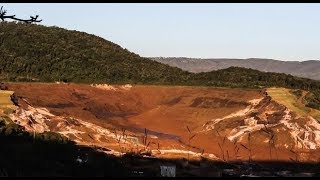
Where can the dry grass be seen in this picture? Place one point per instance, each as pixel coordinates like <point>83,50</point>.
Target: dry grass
<point>283,96</point>
<point>5,101</point>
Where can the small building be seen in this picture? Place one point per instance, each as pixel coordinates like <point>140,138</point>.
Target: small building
<point>168,171</point>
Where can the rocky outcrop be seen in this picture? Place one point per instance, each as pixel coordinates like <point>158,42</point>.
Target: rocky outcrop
<point>15,99</point>
<point>3,86</point>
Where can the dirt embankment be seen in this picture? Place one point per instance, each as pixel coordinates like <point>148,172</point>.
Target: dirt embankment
<point>228,124</point>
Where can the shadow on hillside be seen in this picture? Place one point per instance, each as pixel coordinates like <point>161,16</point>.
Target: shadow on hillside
<point>22,155</point>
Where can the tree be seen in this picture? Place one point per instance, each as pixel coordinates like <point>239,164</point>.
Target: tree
<point>3,16</point>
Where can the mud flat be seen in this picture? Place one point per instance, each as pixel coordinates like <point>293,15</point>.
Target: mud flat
<point>168,121</point>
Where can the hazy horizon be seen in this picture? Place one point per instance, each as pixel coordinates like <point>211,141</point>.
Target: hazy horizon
<point>229,58</point>
<point>207,31</point>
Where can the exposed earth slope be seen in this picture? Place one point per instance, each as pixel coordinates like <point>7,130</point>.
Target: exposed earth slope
<point>264,116</point>
<point>221,123</point>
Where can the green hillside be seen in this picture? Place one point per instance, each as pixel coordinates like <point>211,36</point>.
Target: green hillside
<point>43,53</point>
<point>250,78</point>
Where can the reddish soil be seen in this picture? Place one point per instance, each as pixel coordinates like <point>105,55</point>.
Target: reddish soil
<point>164,111</point>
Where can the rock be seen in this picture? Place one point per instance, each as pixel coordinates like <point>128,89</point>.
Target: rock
<point>15,99</point>
<point>3,86</point>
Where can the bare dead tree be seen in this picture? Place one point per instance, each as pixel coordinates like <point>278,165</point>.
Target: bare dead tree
<point>271,144</point>
<point>3,16</point>
<point>249,141</point>
<point>296,156</point>
<point>145,137</point>
<point>221,151</point>
<point>189,140</point>
<point>122,136</point>
<point>158,148</point>
<point>236,152</point>
<point>228,155</point>
<point>235,149</point>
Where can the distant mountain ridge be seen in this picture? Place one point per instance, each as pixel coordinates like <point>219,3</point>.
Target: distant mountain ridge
<point>307,69</point>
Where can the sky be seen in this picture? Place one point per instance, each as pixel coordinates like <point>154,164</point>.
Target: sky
<point>276,31</point>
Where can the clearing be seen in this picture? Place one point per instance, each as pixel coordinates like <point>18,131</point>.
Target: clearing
<point>283,96</point>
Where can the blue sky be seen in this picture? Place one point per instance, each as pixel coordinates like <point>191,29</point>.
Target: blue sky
<point>278,31</point>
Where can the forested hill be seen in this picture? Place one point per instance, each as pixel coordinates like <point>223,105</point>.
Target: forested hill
<point>29,51</point>
<point>307,69</point>
<point>250,78</point>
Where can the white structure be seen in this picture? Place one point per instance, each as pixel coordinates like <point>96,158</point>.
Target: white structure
<point>168,171</point>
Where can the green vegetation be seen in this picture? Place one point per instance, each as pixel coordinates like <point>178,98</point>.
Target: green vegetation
<point>31,52</point>
<point>289,99</point>
<point>313,99</point>
<point>249,78</point>
<point>298,93</point>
